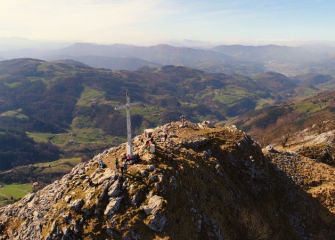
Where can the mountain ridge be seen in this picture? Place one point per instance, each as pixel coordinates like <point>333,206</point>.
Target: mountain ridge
<point>240,59</point>
<point>167,195</point>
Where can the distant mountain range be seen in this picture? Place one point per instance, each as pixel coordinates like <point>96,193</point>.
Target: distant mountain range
<point>230,59</point>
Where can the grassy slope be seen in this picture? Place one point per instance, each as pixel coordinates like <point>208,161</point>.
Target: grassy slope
<point>41,172</point>
<point>270,124</point>
<point>14,192</point>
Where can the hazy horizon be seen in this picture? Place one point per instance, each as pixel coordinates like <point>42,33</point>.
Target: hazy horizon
<point>16,42</point>
<point>149,22</point>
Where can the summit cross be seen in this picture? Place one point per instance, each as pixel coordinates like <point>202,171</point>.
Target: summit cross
<point>127,107</point>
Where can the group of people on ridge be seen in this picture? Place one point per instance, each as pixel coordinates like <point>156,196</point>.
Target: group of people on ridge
<point>122,164</point>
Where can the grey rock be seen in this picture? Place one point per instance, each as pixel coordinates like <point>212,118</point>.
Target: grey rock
<point>132,235</point>
<point>153,178</point>
<point>108,174</point>
<point>77,204</point>
<point>113,206</point>
<point>144,173</point>
<point>110,232</point>
<point>151,168</point>
<point>138,197</point>
<point>67,198</point>
<point>115,189</point>
<point>156,222</point>
<point>219,169</point>
<point>155,204</point>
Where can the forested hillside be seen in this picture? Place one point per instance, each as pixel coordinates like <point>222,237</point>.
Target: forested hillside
<point>18,149</point>
<point>71,105</point>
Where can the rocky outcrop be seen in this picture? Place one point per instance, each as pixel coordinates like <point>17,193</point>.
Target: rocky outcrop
<point>308,160</point>
<point>201,183</point>
<point>113,206</point>
<point>154,210</point>
<point>315,178</point>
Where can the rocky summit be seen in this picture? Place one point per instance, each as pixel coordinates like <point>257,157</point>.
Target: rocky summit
<point>201,182</point>
<point>308,158</point>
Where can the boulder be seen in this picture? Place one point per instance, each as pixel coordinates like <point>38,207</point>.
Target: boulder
<point>143,173</point>
<point>156,222</point>
<point>155,204</point>
<point>67,198</point>
<point>108,174</point>
<point>115,189</point>
<point>77,204</point>
<point>138,197</point>
<point>110,232</point>
<point>151,168</point>
<point>113,206</point>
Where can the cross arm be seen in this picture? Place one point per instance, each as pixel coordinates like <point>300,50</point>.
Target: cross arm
<point>128,105</point>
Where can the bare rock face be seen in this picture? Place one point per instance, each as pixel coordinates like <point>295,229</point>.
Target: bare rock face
<point>201,183</point>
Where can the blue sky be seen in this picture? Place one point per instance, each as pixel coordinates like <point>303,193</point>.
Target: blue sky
<point>152,21</point>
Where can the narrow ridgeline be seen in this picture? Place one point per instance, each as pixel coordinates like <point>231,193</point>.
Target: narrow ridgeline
<point>201,183</point>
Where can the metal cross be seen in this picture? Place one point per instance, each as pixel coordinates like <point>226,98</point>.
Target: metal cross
<point>127,106</point>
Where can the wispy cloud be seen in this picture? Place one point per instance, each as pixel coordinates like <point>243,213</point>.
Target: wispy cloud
<point>75,19</point>
<point>138,21</point>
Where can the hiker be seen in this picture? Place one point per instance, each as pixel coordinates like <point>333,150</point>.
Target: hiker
<point>101,164</point>
<point>122,168</point>
<point>163,136</point>
<point>117,165</point>
<point>147,144</point>
<point>152,148</point>
<point>125,167</point>
<point>183,120</point>
<point>136,158</point>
